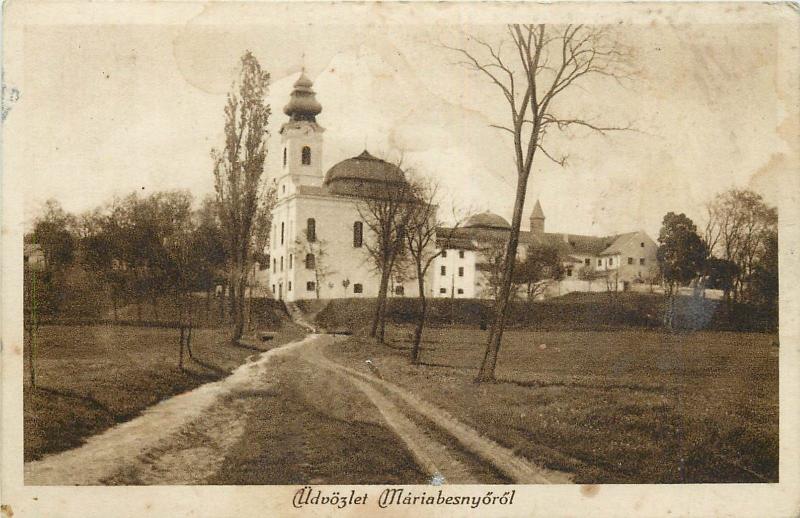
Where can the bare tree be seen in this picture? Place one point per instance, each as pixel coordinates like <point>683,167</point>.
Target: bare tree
<point>542,266</point>
<point>315,254</point>
<point>385,215</point>
<point>492,262</point>
<point>421,234</point>
<point>238,169</point>
<point>541,64</point>
<point>737,228</point>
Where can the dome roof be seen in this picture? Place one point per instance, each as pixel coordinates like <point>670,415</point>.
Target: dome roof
<point>364,175</point>
<point>487,220</point>
<point>303,104</point>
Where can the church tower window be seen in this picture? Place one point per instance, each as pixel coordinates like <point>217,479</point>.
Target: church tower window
<point>306,155</point>
<point>358,234</point>
<point>284,157</point>
<point>311,230</point>
<point>310,262</point>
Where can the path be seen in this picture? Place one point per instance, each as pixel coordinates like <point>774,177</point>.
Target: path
<point>102,457</point>
<point>186,439</point>
<point>434,456</point>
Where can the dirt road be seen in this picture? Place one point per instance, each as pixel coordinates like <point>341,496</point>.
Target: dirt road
<point>291,416</point>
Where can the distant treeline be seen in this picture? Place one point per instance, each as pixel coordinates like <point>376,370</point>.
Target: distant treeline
<point>136,259</point>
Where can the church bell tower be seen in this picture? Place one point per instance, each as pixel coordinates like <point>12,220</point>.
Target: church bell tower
<point>301,136</point>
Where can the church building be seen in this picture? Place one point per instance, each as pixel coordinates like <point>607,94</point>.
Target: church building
<point>317,245</point>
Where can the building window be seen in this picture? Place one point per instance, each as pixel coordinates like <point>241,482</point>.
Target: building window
<point>358,288</point>
<point>610,261</point>
<point>586,261</point>
<point>310,262</point>
<point>599,262</point>
<point>460,271</point>
<point>281,263</point>
<point>641,244</point>
<point>358,234</point>
<point>399,290</point>
<point>630,260</point>
<point>291,261</point>
<point>306,159</point>
<point>273,288</point>
<point>311,230</point>
<point>444,270</point>
<point>282,231</point>
<point>442,290</point>
<point>274,265</point>
<point>284,157</point>
<point>460,254</point>
<point>310,286</point>
<point>460,291</point>
<point>444,253</point>
<point>290,286</point>
<point>641,261</point>
<point>569,272</point>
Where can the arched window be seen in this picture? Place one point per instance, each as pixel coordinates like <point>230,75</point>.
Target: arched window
<point>306,155</point>
<point>310,262</point>
<point>311,230</point>
<point>284,157</point>
<point>282,231</point>
<point>358,234</point>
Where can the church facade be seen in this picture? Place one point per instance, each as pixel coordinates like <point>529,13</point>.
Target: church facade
<point>317,245</point>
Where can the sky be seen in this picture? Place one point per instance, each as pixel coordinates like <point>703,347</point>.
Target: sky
<point>110,109</point>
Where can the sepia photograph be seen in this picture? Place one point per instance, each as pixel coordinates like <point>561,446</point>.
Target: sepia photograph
<point>262,245</point>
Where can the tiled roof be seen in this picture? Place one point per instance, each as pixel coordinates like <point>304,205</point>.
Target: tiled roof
<point>619,242</point>
<point>568,245</point>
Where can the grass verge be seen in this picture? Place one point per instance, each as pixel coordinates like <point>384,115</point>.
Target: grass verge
<point>624,406</point>
<point>89,378</point>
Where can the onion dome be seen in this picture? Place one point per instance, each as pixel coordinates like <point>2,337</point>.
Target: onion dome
<point>365,176</point>
<point>488,220</point>
<point>303,104</point>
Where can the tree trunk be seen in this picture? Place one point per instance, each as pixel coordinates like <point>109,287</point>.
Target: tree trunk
<point>238,298</point>
<point>379,307</point>
<point>489,363</point>
<point>382,329</point>
<point>250,320</point>
<point>423,306</point>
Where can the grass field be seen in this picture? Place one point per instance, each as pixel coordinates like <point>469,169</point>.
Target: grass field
<point>91,377</point>
<point>623,406</point>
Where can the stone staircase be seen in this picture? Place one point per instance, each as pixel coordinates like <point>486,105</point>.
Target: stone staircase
<point>298,317</point>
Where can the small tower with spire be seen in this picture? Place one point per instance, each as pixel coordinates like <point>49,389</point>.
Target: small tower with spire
<point>537,219</point>
<point>301,136</point>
